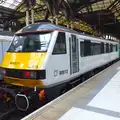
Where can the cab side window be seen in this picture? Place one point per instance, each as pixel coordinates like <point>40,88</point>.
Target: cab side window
<point>60,45</point>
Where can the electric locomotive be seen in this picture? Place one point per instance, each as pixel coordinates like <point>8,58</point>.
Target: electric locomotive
<point>44,58</point>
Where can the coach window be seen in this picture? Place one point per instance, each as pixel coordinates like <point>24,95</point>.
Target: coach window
<point>111,48</point>
<point>82,48</point>
<point>116,47</point>
<point>60,45</point>
<point>92,48</point>
<point>107,48</point>
<point>95,48</point>
<point>102,47</point>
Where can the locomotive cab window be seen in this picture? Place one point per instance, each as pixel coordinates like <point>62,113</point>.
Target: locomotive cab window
<point>35,42</point>
<point>60,45</point>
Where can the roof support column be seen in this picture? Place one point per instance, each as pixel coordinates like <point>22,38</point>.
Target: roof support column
<point>67,25</point>
<point>27,17</point>
<point>71,25</point>
<point>67,22</point>
<point>52,20</point>
<point>56,20</point>
<point>32,15</point>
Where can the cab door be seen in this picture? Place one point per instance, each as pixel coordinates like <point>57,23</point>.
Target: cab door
<point>74,54</point>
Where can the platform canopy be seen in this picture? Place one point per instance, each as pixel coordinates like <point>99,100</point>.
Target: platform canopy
<point>12,4</point>
<point>102,16</point>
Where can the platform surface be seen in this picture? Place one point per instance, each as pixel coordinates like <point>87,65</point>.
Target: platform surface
<point>96,99</point>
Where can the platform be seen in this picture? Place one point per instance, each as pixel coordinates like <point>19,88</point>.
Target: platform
<point>98,98</point>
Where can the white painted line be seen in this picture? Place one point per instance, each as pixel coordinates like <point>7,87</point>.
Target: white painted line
<point>109,97</point>
<point>55,101</point>
<point>81,114</point>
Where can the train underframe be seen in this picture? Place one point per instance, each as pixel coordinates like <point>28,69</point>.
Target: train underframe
<point>14,97</point>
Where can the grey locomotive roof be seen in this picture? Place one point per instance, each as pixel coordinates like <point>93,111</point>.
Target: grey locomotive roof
<point>43,26</point>
<point>46,26</point>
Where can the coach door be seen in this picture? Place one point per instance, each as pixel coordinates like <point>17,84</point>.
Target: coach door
<point>74,54</point>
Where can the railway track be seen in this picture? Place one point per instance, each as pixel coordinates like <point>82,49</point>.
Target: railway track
<point>15,114</point>
<point>3,115</point>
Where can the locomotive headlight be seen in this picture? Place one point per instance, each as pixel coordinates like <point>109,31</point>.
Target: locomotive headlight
<point>30,74</point>
<point>33,74</point>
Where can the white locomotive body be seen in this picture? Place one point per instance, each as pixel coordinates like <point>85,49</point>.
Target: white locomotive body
<point>48,59</point>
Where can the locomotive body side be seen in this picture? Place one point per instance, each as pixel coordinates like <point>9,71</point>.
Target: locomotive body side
<point>64,66</point>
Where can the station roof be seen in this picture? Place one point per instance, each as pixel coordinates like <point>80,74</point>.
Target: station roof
<point>12,4</point>
<point>86,15</point>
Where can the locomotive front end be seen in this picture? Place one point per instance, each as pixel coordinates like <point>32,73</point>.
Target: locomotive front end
<point>22,67</point>
<point>22,64</point>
